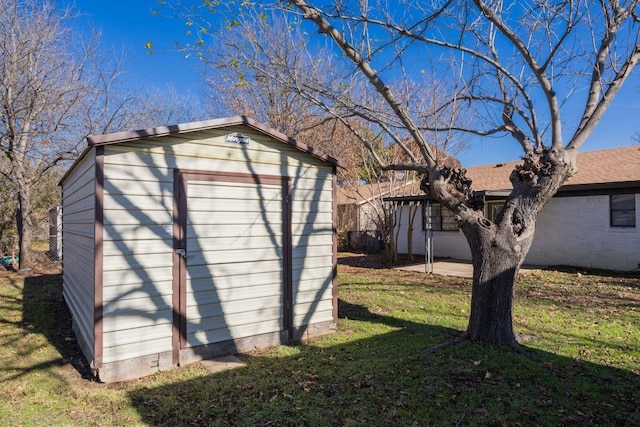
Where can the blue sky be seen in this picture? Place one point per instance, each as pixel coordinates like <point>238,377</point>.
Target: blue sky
<point>127,25</point>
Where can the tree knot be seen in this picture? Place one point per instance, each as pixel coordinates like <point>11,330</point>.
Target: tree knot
<point>458,182</point>
<point>424,184</point>
<point>517,223</point>
<point>452,183</point>
<point>537,168</point>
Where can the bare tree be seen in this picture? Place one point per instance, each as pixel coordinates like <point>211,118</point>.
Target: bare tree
<point>53,92</point>
<point>116,105</point>
<point>161,106</point>
<point>55,89</point>
<point>513,64</point>
<point>42,82</point>
<point>245,55</point>
<point>517,70</point>
<point>8,232</point>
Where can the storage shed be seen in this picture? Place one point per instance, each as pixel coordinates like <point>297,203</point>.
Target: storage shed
<point>198,240</point>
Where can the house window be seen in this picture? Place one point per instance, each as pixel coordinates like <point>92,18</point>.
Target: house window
<point>441,218</point>
<point>493,208</point>
<point>623,210</point>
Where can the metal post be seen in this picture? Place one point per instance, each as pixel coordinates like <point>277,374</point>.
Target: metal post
<point>428,239</point>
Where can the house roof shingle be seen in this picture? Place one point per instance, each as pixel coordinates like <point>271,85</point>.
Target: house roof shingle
<point>613,165</point>
<point>594,167</point>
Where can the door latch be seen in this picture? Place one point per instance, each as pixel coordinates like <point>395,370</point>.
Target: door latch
<point>182,253</point>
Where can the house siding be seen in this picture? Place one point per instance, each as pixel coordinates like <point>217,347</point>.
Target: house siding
<point>78,200</point>
<point>571,231</point>
<point>576,231</point>
<point>446,244</point>
<point>138,245</point>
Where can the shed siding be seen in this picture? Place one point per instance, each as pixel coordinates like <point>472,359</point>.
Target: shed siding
<point>78,203</point>
<point>137,265</point>
<point>213,206</point>
<point>312,254</point>
<point>138,246</point>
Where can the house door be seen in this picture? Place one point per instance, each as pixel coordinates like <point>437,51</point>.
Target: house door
<point>231,239</point>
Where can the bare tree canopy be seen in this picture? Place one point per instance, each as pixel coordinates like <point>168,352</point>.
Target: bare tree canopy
<point>263,64</point>
<point>417,72</point>
<point>55,89</point>
<point>515,66</point>
<point>43,83</point>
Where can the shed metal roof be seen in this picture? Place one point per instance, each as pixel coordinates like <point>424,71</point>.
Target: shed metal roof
<point>127,136</point>
<point>134,135</point>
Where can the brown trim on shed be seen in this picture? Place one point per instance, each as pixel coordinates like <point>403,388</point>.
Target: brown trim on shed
<point>182,262</point>
<point>98,267</point>
<point>334,215</point>
<point>244,178</point>
<point>128,136</point>
<point>179,265</point>
<point>287,259</point>
<point>118,137</point>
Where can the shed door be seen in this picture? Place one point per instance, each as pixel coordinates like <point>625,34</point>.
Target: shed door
<point>234,283</point>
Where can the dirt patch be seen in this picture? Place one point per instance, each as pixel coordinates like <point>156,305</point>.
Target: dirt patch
<point>376,260</point>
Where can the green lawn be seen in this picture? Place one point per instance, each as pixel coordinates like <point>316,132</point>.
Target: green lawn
<point>582,367</point>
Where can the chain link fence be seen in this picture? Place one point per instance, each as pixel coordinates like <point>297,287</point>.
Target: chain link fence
<point>46,248</point>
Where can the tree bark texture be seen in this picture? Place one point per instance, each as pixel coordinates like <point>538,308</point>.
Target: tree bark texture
<point>499,248</point>
<point>494,277</point>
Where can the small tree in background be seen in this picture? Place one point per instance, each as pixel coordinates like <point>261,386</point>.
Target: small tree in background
<point>8,207</point>
<point>55,89</point>
<point>43,83</point>
<point>239,68</point>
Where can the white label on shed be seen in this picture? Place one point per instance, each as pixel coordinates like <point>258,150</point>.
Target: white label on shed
<point>237,139</point>
<point>168,229</point>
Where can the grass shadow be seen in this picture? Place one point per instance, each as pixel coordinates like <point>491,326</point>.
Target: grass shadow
<point>361,313</point>
<point>45,312</point>
<point>388,379</point>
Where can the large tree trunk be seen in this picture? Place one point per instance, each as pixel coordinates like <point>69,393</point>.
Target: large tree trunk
<point>499,249</point>
<point>494,277</point>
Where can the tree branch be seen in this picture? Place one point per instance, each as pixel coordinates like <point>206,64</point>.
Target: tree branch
<point>325,27</point>
<point>538,71</point>
<point>599,107</point>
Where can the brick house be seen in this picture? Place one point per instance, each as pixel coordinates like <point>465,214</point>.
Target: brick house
<point>593,221</point>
